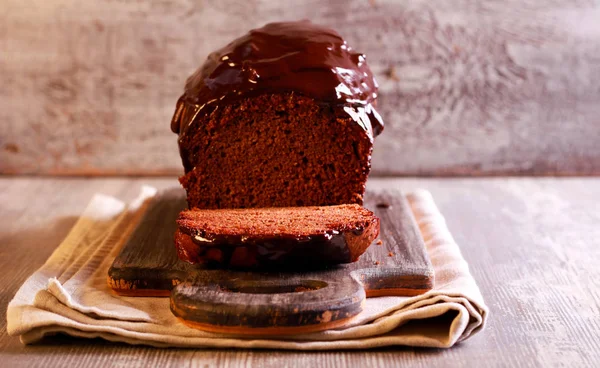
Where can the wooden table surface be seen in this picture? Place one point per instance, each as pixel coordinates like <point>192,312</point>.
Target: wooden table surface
<point>533,246</point>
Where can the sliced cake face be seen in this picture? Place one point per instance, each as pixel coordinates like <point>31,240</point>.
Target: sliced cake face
<point>271,237</point>
<point>275,150</point>
<point>282,116</point>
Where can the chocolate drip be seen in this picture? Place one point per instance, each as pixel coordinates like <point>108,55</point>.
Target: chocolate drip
<point>266,252</point>
<point>300,57</point>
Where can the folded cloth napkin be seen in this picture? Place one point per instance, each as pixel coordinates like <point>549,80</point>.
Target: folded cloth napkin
<point>69,295</point>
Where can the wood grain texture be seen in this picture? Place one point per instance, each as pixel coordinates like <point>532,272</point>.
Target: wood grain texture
<point>148,265</point>
<point>269,302</point>
<point>467,86</point>
<point>266,304</point>
<point>531,244</point>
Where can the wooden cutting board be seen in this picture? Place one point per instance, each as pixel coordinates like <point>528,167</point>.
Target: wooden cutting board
<point>281,302</point>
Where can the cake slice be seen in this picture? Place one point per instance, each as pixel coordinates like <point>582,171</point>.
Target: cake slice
<point>266,237</point>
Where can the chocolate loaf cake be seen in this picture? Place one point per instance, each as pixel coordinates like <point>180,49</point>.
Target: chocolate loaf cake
<point>282,116</point>
<point>270,237</point>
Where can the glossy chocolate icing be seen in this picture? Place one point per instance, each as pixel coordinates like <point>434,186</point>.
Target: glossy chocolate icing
<point>266,252</point>
<point>300,57</point>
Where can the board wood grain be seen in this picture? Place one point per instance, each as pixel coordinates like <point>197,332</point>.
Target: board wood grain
<point>466,87</point>
<point>275,302</point>
<point>531,244</point>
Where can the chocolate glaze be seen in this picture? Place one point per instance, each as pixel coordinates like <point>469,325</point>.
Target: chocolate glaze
<point>300,57</point>
<point>264,252</point>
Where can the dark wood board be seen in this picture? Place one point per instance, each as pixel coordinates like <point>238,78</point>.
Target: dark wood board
<point>271,302</point>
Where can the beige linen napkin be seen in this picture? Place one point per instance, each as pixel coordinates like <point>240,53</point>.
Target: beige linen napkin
<point>69,294</point>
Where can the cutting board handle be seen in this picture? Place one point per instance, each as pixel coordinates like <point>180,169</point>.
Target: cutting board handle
<point>247,303</point>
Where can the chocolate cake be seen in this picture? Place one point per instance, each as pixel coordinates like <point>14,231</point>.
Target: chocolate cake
<point>282,116</point>
<point>267,237</point>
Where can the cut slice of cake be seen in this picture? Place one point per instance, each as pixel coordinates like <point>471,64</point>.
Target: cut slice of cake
<point>266,237</point>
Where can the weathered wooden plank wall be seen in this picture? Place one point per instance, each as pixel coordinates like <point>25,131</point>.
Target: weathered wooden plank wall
<point>467,86</point>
